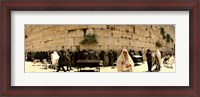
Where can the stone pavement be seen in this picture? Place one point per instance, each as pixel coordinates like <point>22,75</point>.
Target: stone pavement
<point>39,67</point>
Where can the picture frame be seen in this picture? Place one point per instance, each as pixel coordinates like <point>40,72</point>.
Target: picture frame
<point>193,90</point>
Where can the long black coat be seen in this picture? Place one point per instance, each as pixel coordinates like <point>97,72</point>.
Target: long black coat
<point>62,61</point>
<point>149,57</point>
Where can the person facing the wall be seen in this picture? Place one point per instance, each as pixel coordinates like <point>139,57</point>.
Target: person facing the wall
<point>149,60</point>
<point>62,62</point>
<point>158,60</point>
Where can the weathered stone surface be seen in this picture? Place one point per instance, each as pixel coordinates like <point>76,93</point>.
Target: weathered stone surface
<point>69,42</point>
<point>89,32</point>
<point>75,33</point>
<point>76,27</point>
<point>116,37</point>
<point>142,30</point>
<point>104,47</point>
<point>112,41</point>
<point>101,32</point>
<point>102,40</point>
<point>115,48</point>
<point>124,42</point>
<point>97,26</point>
<point>77,41</point>
<point>93,47</point>
<point>116,33</point>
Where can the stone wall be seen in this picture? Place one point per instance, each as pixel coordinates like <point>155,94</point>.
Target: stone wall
<point>109,37</point>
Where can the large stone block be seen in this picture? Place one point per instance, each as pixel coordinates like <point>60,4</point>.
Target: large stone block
<point>122,28</point>
<point>92,47</point>
<point>104,47</point>
<point>116,33</point>
<point>116,48</point>
<point>124,42</point>
<point>100,32</point>
<point>112,41</point>
<point>132,43</point>
<point>130,47</point>
<point>142,39</point>
<point>77,41</point>
<point>69,41</point>
<point>126,36</point>
<point>89,32</point>
<point>76,27</point>
<point>75,33</point>
<point>97,26</point>
<point>102,40</point>
<point>142,30</point>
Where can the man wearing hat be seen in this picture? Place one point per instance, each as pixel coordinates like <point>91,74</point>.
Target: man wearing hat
<point>149,60</point>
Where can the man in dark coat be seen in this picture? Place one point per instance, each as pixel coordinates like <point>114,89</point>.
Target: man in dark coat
<point>141,54</point>
<point>149,60</point>
<point>62,61</point>
<point>115,56</point>
<point>102,55</point>
<point>76,56</point>
<point>111,58</point>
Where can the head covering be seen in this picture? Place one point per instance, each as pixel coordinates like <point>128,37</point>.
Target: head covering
<point>121,59</point>
<point>158,57</point>
<point>54,57</point>
<point>158,53</point>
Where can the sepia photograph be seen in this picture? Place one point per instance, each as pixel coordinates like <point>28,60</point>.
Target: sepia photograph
<point>109,48</point>
<point>99,48</point>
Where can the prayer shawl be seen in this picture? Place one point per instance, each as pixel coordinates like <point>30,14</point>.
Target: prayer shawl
<point>54,58</point>
<point>123,67</point>
<point>158,57</point>
<point>170,61</point>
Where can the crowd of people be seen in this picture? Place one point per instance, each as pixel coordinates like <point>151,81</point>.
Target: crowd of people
<point>52,58</point>
<point>126,64</point>
<point>123,61</point>
<point>156,58</point>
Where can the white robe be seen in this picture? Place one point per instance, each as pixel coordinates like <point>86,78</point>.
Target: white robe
<point>54,58</point>
<point>158,54</point>
<point>122,67</point>
<point>170,62</point>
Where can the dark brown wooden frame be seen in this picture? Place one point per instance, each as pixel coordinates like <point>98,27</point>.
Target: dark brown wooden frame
<point>193,90</point>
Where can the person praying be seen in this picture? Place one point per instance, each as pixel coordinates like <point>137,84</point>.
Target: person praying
<point>124,62</point>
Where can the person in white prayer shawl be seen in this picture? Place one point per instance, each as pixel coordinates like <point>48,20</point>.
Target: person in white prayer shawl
<point>54,59</point>
<point>124,62</point>
<point>46,63</point>
<point>170,62</point>
<point>158,60</point>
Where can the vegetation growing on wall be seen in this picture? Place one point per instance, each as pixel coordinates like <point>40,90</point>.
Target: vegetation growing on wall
<point>158,44</point>
<point>166,37</point>
<point>89,39</point>
<point>162,31</point>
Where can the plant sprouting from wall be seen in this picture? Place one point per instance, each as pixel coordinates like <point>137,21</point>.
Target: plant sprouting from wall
<point>158,44</point>
<point>89,39</point>
<point>162,31</point>
<point>168,38</point>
